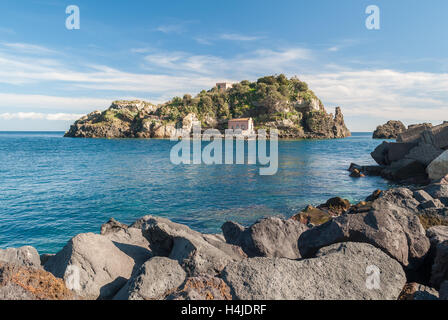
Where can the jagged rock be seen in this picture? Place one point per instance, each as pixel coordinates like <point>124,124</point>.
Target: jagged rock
<point>439,271</point>
<point>390,225</point>
<point>341,271</point>
<point>389,130</point>
<point>269,237</point>
<point>155,279</point>
<point>443,292</point>
<point>96,267</point>
<point>27,283</point>
<point>202,288</point>
<point>416,291</point>
<point>438,168</point>
<point>24,256</point>
<point>196,253</point>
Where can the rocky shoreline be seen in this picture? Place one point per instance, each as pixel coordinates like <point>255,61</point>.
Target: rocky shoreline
<point>419,155</point>
<point>399,235</point>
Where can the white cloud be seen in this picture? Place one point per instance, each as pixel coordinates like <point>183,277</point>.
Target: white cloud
<point>40,116</point>
<point>26,101</point>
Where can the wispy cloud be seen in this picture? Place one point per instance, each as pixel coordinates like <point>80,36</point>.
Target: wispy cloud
<point>238,37</point>
<point>27,48</point>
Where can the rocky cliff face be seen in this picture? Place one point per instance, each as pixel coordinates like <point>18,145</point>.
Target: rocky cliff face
<point>274,102</point>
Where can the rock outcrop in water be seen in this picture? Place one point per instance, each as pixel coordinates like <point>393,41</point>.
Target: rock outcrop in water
<point>155,258</point>
<point>418,156</point>
<point>274,102</point>
<point>389,130</point>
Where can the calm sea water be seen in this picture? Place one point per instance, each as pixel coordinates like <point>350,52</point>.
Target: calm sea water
<point>52,188</point>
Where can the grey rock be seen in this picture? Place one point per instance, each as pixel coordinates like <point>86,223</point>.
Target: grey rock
<point>422,196</point>
<point>96,267</point>
<point>438,191</point>
<point>13,291</point>
<point>196,253</point>
<point>203,287</point>
<point>121,233</point>
<point>269,237</point>
<point>342,271</point>
<point>437,234</point>
<point>155,279</point>
<point>424,153</point>
<point>434,203</point>
<point>439,271</point>
<point>389,130</point>
<point>443,292</point>
<point>24,256</point>
<point>413,133</point>
<point>438,168</point>
<point>391,225</point>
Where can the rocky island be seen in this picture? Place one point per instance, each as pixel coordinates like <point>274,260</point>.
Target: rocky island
<point>274,102</point>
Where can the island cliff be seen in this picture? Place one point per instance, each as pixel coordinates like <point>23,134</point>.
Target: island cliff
<point>274,102</point>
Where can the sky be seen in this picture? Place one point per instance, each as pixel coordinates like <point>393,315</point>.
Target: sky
<point>155,50</point>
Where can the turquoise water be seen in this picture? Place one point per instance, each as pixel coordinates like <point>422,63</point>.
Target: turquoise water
<point>52,188</point>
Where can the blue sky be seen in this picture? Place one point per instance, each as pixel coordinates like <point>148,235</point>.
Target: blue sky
<point>154,50</point>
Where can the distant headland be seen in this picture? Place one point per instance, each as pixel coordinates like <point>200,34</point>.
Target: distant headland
<point>273,102</point>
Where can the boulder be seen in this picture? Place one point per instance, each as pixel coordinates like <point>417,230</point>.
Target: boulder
<point>438,191</point>
<point>269,237</point>
<point>439,271</point>
<point>413,133</point>
<point>196,253</point>
<point>424,153</point>
<point>443,292</point>
<point>390,225</point>
<point>380,153</point>
<point>437,234</point>
<point>155,279</point>
<point>389,130</point>
<point>416,291</point>
<point>24,256</point>
<point>345,271</point>
<point>18,282</point>
<point>438,168</point>
<point>96,267</point>
<point>202,288</point>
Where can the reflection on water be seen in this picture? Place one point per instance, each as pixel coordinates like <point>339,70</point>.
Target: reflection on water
<point>53,188</point>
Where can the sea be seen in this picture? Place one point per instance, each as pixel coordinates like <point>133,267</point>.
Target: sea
<point>53,188</point>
